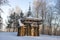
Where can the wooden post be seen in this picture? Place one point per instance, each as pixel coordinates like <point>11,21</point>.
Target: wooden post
<point>22,31</point>
<point>29,30</point>
<point>19,31</point>
<point>32,31</point>
<point>36,31</point>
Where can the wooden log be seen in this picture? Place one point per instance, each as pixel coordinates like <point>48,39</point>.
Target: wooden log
<point>32,31</point>
<point>29,30</point>
<point>21,31</point>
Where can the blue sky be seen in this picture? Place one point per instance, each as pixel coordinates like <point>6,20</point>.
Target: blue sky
<point>23,4</point>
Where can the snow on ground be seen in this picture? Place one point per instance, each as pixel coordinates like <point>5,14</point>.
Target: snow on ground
<point>13,36</point>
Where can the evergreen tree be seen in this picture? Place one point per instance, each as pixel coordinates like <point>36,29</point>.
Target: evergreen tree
<point>29,12</point>
<point>21,14</point>
<point>14,20</point>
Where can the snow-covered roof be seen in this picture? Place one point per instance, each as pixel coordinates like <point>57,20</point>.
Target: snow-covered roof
<point>30,17</point>
<point>34,19</point>
<point>20,23</point>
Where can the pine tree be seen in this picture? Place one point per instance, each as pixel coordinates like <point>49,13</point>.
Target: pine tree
<point>21,14</point>
<point>29,11</point>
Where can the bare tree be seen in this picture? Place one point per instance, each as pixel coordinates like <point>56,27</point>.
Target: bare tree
<point>40,7</point>
<point>3,2</point>
<point>50,18</point>
<point>56,25</point>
